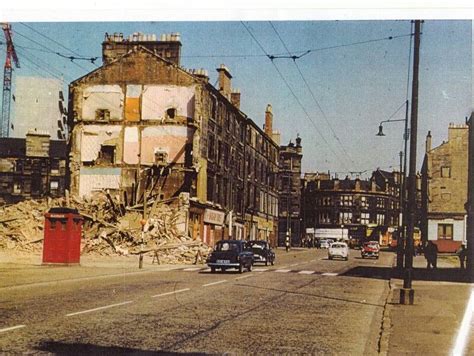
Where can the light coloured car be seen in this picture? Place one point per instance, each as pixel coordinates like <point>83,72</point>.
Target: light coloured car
<point>324,243</point>
<point>338,250</point>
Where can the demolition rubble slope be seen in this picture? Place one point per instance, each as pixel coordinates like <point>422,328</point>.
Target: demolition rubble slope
<point>108,229</point>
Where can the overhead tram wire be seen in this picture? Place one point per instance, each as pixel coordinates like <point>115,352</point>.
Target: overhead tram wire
<point>313,96</point>
<point>293,93</point>
<point>50,50</point>
<point>72,58</point>
<point>301,53</point>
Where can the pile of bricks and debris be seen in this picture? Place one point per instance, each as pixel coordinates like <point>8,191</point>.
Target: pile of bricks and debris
<point>109,228</point>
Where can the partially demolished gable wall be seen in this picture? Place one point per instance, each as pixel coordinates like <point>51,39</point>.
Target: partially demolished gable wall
<point>129,115</point>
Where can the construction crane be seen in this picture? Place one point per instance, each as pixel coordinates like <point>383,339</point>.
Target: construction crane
<point>7,80</point>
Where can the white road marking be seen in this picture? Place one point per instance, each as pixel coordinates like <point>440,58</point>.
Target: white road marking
<point>168,293</point>
<point>330,274</point>
<point>214,283</point>
<point>294,264</point>
<point>463,333</point>
<point>283,270</point>
<point>260,269</point>
<point>12,328</point>
<point>100,308</point>
<point>192,269</point>
<point>306,272</point>
<point>246,276</point>
<point>206,270</point>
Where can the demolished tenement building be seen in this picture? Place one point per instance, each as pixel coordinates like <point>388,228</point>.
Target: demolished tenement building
<point>146,129</point>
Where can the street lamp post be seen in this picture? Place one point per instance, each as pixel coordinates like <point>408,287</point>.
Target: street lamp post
<point>402,221</point>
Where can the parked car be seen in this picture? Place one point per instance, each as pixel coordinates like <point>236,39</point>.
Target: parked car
<point>231,254</point>
<point>262,252</point>
<point>338,250</point>
<point>324,244</point>
<point>370,249</point>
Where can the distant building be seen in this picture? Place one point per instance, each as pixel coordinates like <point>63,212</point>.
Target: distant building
<point>444,190</point>
<point>31,167</point>
<point>353,204</point>
<point>289,217</point>
<point>38,104</point>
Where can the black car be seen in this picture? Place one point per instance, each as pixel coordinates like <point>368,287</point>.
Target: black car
<point>262,252</point>
<point>231,254</point>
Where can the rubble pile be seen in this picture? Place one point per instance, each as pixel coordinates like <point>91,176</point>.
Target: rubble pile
<point>109,228</point>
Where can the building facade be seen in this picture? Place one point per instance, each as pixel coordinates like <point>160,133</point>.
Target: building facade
<point>31,167</point>
<point>145,127</point>
<point>444,190</point>
<point>39,105</point>
<point>351,204</point>
<point>289,219</point>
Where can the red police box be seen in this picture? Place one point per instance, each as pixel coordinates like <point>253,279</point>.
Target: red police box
<point>62,236</point>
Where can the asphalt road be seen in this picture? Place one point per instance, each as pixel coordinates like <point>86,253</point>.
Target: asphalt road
<point>303,304</point>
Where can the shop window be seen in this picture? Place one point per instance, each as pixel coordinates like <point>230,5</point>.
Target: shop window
<point>445,231</point>
<point>54,185</point>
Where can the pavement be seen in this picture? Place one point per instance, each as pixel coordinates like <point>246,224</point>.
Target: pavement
<point>433,323</point>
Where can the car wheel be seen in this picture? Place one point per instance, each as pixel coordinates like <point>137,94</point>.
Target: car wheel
<point>330,257</point>
<point>249,268</point>
<point>347,258</point>
<point>266,262</point>
<point>241,268</point>
<point>213,269</point>
<point>273,262</point>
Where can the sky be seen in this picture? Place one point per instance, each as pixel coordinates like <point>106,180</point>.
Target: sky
<point>333,96</point>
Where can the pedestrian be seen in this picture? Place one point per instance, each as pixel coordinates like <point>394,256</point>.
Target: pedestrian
<point>287,242</point>
<point>431,255</point>
<point>462,254</point>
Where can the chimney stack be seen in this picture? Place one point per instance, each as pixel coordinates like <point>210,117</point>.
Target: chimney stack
<point>269,121</point>
<point>235,98</point>
<point>224,81</point>
<point>428,142</point>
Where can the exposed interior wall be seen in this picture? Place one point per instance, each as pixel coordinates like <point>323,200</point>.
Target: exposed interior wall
<point>171,139</point>
<point>94,137</point>
<point>157,99</point>
<point>94,179</point>
<point>132,103</point>
<point>131,147</point>
<point>102,97</point>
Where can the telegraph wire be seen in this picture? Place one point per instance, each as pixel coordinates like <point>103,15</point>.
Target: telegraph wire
<point>313,96</point>
<point>292,92</point>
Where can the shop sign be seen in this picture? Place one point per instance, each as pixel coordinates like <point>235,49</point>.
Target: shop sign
<point>214,217</point>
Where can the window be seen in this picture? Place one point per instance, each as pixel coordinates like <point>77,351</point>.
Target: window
<point>364,218</point>
<point>445,231</point>
<point>171,113</point>
<point>345,217</point>
<point>16,188</point>
<point>445,172</point>
<point>54,185</point>
<point>380,219</point>
<point>107,153</point>
<point>102,114</point>
<point>363,202</point>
